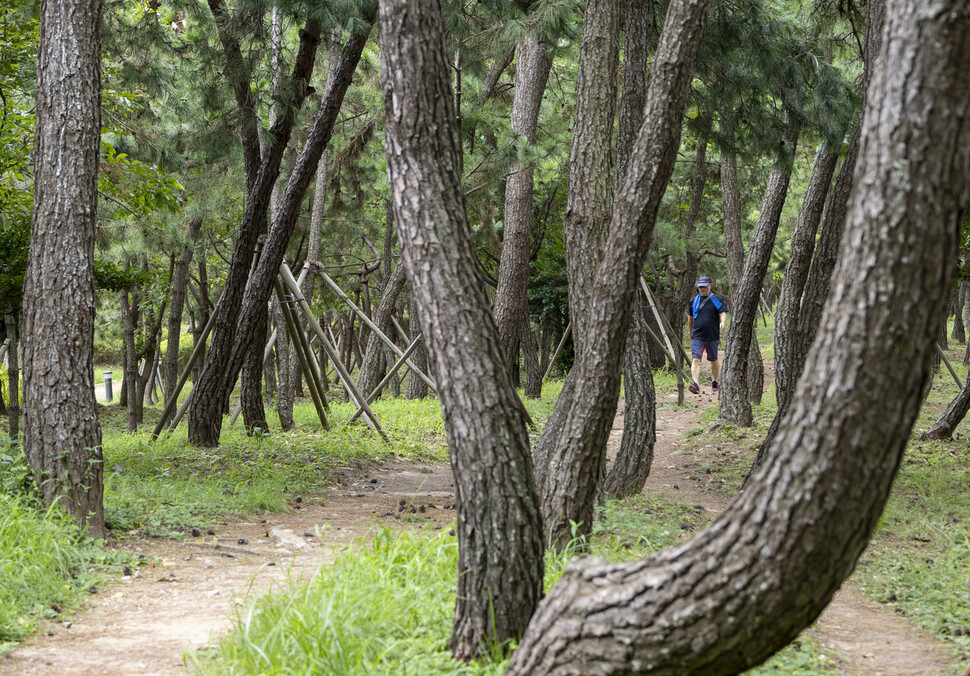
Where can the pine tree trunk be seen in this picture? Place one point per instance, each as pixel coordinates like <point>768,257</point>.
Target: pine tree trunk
<point>218,375</point>
<point>796,273</point>
<point>129,321</point>
<point>251,384</point>
<point>959,334</point>
<point>180,280</point>
<point>499,524</point>
<point>533,63</point>
<point>718,604</point>
<point>954,414</point>
<point>530,358</point>
<point>417,388</point>
<point>284,391</point>
<point>257,292</point>
<point>573,442</point>
<point>590,180</point>
<point>631,467</point>
<point>735,404</point>
<point>62,437</point>
<point>632,463</point>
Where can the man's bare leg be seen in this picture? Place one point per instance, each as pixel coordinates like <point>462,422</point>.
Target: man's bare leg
<point>715,370</point>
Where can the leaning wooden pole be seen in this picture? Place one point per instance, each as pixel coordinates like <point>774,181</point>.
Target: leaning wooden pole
<point>555,355</point>
<point>949,366</point>
<point>193,358</point>
<point>390,374</point>
<point>348,382</point>
<point>299,346</point>
<point>373,327</point>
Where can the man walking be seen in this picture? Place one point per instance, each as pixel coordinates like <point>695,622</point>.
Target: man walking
<point>706,315</point>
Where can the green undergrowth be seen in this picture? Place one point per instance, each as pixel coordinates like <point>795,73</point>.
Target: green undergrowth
<point>166,487</point>
<point>918,563</point>
<point>386,605</point>
<point>47,566</point>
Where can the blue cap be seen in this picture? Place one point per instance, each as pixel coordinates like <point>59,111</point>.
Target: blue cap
<point>704,281</point>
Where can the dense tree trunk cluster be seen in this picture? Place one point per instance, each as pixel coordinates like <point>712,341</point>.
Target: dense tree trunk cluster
<point>717,604</point>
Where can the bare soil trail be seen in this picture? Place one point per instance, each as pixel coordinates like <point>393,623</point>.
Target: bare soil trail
<point>185,595</point>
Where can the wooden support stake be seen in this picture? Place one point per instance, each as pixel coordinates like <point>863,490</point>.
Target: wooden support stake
<point>949,366</point>
<point>390,374</point>
<point>348,382</point>
<point>373,327</point>
<point>555,355</point>
<point>299,347</point>
<point>194,357</point>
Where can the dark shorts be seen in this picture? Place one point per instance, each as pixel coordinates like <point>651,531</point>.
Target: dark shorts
<point>697,348</point>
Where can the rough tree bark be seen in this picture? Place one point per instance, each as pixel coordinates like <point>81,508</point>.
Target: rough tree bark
<point>62,437</point>
<point>180,281</point>
<point>718,604</point>
<point>574,440</point>
<point>260,286</point>
<point>735,402</point>
<point>801,333</point>
<point>129,320</point>
<point>590,182</point>
<point>533,63</point>
<point>499,523</point>
<point>214,385</point>
<point>796,272</point>
<point>417,388</point>
<point>631,467</point>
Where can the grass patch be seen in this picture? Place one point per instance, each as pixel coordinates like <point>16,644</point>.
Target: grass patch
<point>46,566</point>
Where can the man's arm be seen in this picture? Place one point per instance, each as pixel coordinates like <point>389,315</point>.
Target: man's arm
<point>690,325</point>
<point>723,320</point>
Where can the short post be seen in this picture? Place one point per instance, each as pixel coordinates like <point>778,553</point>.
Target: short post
<point>107,387</point>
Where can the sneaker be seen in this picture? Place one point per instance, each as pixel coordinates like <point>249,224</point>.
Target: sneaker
<point>694,388</point>
<point>714,386</point>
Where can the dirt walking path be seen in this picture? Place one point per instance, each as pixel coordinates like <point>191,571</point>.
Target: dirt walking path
<point>869,639</point>
<point>185,595</point>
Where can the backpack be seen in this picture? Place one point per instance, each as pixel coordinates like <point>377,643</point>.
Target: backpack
<point>699,302</point>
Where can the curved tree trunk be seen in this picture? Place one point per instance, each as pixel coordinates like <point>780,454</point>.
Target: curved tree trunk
<point>585,229</point>
<point>533,63</point>
<point>573,442</point>
<point>499,522</point>
<point>180,281</point>
<point>735,404</point>
<point>632,463</point>
<point>62,437</point>
<point>718,604</point>
<point>631,467</point>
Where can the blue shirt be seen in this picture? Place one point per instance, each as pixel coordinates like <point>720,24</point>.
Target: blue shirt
<point>707,317</point>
